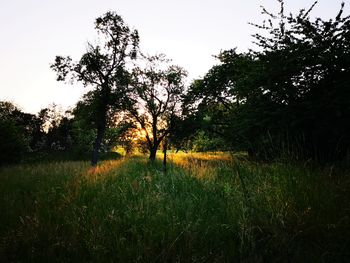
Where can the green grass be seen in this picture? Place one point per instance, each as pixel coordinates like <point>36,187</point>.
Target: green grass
<point>60,156</point>
<point>206,208</point>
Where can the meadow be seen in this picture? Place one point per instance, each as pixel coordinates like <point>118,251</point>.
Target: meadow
<point>207,207</point>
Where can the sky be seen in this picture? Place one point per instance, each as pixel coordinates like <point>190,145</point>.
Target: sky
<point>190,32</point>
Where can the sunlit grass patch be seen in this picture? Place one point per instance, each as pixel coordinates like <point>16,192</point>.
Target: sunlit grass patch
<point>201,165</point>
<point>104,168</point>
<point>182,157</point>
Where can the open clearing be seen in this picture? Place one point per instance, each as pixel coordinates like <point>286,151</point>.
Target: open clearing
<point>206,208</point>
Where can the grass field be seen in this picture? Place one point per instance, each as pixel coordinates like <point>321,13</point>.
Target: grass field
<point>206,208</point>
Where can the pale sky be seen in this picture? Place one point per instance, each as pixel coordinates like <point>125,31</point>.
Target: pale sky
<point>190,32</point>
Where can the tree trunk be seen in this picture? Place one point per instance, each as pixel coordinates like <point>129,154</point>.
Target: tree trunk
<point>153,150</point>
<point>152,154</point>
<point>153,145</point>
<point>97,145</point>
<point>165,146</point>
<point>101,121</point>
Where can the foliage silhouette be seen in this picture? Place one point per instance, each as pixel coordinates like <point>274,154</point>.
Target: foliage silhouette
<point>155,99</point>
<point>20,132</point>
<point>103,67</point>
<point>288,98</point>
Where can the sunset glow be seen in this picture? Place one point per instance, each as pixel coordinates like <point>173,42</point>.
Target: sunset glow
<point>189,32</point>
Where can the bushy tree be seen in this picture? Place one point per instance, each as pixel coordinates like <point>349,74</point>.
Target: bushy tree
<point>155,99</point>
<point>16,132</point>
<point>12,142</point>
<point>291,96</point>
<point>103,67</point>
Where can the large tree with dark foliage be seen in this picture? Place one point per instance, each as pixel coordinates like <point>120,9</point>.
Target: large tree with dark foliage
<point>103,67</point>
<point>291,97</point>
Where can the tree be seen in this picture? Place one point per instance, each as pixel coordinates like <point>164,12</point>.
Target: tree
<point>19,131</point>
<point>155,99</point>
<point>305,65</point>
<point>12,142</point>
<point>213,101</point>
<point>51,116</point>
<point>290,97</point>
<point>28,124</point>
<point>103,67</point>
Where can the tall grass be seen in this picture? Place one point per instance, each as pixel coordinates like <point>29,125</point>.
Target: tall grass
<point>206,208</point>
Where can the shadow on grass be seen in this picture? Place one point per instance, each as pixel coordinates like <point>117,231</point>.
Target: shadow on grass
<point>61,156</point>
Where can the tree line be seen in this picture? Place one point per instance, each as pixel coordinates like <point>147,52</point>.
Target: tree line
<point>289,98</point>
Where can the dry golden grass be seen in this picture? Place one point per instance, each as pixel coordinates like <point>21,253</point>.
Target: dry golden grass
<point>201,165</point>
<point>104,168</point>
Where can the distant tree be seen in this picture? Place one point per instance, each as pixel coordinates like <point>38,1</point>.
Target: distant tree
<point>15,133</point>
<point>29,124</point>
<point>12,142</point>
<point>126,131</point>
<point>212,102</point>
<point>7,109</point>
<point>155,99</point>
<point>84,125</point>
<point>180,137</point>
<point>103,67</point>
<point>203,143</point>
<point>51,116</point>
<point>83,131</point>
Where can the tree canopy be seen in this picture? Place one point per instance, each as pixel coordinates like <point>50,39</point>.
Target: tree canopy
<point>103,67</point>
<point>155,99</point>
<point>288,98</point>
